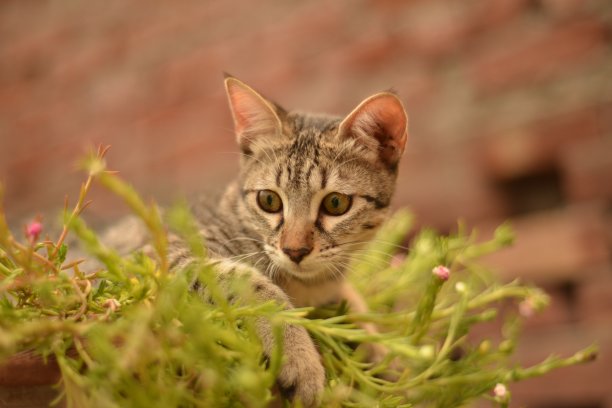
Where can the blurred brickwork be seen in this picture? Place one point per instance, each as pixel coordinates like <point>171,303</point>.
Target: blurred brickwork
<point>510,104</point>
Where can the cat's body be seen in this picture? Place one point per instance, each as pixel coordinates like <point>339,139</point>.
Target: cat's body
<point>311,192</point>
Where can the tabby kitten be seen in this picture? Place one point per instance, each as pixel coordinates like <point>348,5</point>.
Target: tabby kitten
<point>312,190</point>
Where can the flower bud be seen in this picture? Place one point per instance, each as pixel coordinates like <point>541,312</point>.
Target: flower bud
<point>501,394</point>
<point>441,272</point>
<point>526,308</point>
<point>484,346</point>
<point>460,287</point>
<point>33,230</point>
<point>500,391</point>
<point>427,352</point>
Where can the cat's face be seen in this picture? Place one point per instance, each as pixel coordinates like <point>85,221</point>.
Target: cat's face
<point>315,188</point>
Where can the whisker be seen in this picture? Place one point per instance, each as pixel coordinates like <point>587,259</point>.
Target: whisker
<point>242,257</point>
<point>257,263</point>
<point>359,251</point>
<point>374,240</point>
<point>259,241</point>
<point>382,241</point>
<point>347,261</point>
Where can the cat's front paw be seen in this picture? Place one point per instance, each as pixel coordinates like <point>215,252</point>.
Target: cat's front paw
<point>302,376</point>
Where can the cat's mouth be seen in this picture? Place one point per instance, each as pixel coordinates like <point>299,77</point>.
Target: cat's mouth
<point>311,269</point>
<point>299,270</point>
<point>308,270</point>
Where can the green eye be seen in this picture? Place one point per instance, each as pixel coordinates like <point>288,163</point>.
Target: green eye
<point>269,201</point>
<point>336,203</point>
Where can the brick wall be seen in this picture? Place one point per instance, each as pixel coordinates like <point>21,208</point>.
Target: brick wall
<point>510,104</point>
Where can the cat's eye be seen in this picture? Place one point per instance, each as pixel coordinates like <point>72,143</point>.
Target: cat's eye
<point>269,201</point>
<point>336,203</point>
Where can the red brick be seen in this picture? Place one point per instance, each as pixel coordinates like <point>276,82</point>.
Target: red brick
<point>595,298</point>
<point>442,186</point>
<point>565,245</point>
<point>587,169</point>
<point>80,63</point>
<point>538,146</point>
<point>27,368</point>
<point>537,56</point>
<point>494,13</point>
<point>371,52</point>
<point>301,29</point>
<point>437,28</point>
<point>564,8</point>
<point>580,386</point>
<point>583,385</point>
<point>181,77</point>
<point>160,26</point>
<point>30,397</point>
<point>31,55</point>
<point>418,89</point>
<point>561,309</point>
<point>558,312</point>
<point>392,5</point>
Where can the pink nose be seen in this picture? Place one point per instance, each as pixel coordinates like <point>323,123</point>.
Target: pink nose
<point>296,255</point>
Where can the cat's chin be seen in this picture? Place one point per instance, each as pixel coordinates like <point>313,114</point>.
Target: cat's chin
<point>309,272</point>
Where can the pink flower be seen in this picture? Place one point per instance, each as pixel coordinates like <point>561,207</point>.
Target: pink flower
<point>500,390</point>
<point>441,272</point>
<point>33,230</point>
<point>526,308</point>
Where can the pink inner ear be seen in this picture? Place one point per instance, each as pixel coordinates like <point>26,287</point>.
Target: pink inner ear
<point>391,117</point>
<point>382,118</point>
<point>252,115</point>
<point>245,109</point>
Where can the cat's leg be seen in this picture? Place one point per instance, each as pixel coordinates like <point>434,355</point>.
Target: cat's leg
<point>302,375</point>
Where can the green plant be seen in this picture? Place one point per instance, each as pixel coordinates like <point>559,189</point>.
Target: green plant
<point>131,334</point>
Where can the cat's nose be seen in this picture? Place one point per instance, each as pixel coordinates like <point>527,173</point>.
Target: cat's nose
<point>296,255</point>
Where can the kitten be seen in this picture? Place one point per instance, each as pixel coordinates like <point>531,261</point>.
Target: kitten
<point>312,190</point>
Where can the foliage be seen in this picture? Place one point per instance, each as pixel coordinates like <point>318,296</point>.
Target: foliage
<point>131,334</point>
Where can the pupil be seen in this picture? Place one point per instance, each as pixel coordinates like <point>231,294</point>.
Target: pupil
<point>335,202</point>
<point>269,199</point>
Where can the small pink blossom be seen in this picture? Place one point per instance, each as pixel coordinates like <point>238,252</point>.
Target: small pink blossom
<point>500,390</point>
<point>33,230</point>
<point>526,308</point>
<point>441,272</point>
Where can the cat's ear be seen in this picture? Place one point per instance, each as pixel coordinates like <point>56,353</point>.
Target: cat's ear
<point>381,124</point>
<point>254,116</point>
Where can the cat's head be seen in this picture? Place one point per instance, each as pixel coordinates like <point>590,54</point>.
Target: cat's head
<point>314,187</point>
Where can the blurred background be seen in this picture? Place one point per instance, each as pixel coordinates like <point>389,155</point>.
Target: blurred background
<point>510,105</point>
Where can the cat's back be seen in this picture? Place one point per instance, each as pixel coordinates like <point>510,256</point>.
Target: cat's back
<point>215,216</point>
